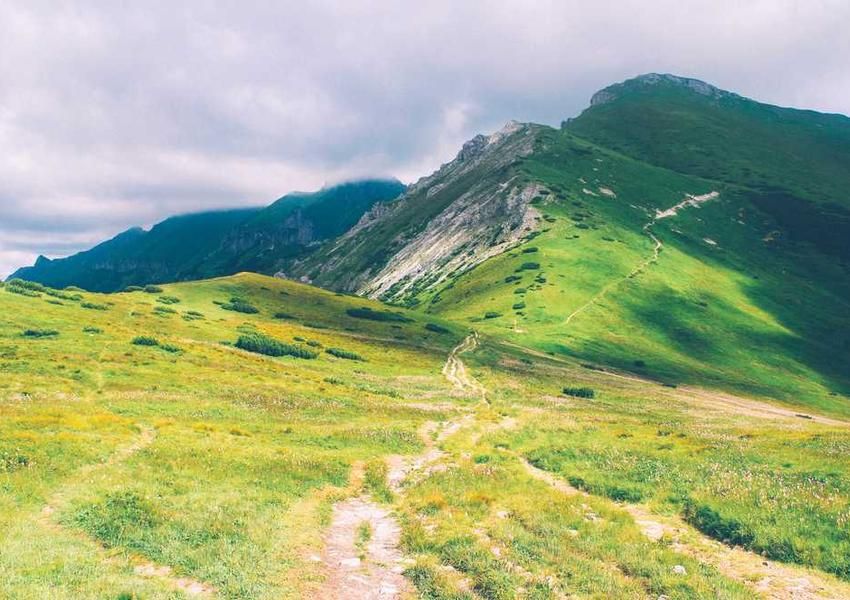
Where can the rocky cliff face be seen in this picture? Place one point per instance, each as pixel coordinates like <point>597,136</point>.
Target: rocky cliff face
<point>472,208</point>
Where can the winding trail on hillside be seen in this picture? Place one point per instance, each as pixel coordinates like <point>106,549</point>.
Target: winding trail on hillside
<point>657,245</point>
<point>455,370</point>
<point>143,567</point>
<point>767,578</point>
<point>372,569</point>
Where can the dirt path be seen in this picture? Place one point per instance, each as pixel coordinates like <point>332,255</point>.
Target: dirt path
<point>362,556</point>
<point>143,567</point>
<point>362,551</point>
<point>455,371</point>
<point>767,578</point>
<point>693,201</point>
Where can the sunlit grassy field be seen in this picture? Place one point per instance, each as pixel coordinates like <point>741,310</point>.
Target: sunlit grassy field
<point>144,451</point>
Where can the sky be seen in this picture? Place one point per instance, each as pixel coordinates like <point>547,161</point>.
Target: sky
<point>116,114</point>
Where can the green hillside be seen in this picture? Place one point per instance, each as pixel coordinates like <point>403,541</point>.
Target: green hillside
<point>749,290</point>
<point>147,450</point>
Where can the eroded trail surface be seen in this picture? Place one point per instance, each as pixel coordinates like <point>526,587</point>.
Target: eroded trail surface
<point>362,554</point>
<point>767,578</point>
<point>455,371</point>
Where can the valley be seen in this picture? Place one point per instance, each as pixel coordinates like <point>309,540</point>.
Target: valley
<point>571,363</point>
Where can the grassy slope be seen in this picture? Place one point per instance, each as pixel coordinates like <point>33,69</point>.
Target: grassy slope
<point>762,317</point>
<point>241,439</point>
<point>249,452</point>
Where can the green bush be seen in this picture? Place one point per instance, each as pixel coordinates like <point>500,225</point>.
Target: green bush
<point>171,348</point>
<point>168,299</point>
<point>579,392</point>
<point>193,315</point>
<point>340,353</point>
<point>12,288</point>
<point>39,333</point>
<point>145,340</point>
<point>491,314</point>
<point>283,316</point>
<point>377,315</point>
<point>133,288</point>
<point>152,289</point>
<point>512,278</point>
<point>436,328</point>
<point>263,344</point>
<point>94,306</point>
<point>241,306</point>
<point>519,306</point>
<point>530,250</point>
<point>163,310</point>
<point>92,330</point>
<point>528,266</point>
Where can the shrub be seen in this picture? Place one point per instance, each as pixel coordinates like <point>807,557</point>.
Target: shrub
<point>512,278</point>
<point>241,306</point>
<point>163,310</point>
<point>528,266</point>
<point>530,250</point>
<point>171,348</point>
<point>16,289</point>
<point>192,315</point>
<point>314,343</point>
<point>63,295</point>
<point>145,340</point>
<point>519,306</point>
<point>133,288</point>
<point>579,392</point>
<point>152,289</point>
<point>520,291</point>
<point>639,364</point>
<point>491,314</point>
<point>94,306</point>
<point>436,328</point>
<point>168,299</point>
<point>92,330</point>
<point>340,353</point>
<point>283,316</point>
<point>39,333</point>
<point>377,315</point>
<point>27,285</point>
<point>73,288</point>
<point>259,343</point>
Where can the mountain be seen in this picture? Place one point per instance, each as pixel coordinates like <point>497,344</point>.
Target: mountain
<point>218,243</point>
<point>672,229</point>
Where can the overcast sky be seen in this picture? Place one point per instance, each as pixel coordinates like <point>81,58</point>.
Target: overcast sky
<point>114,114</point>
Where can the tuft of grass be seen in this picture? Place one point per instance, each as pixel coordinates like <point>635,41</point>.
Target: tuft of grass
<point>144,340</point>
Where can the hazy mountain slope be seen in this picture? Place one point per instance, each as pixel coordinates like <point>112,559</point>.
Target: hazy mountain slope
<point>171,250</point>
<point>210,244</point>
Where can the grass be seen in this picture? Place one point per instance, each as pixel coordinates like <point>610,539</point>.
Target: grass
<point>235,459</point>
<point>246,450</point>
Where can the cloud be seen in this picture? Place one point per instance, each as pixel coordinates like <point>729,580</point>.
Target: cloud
<point>116,114</point>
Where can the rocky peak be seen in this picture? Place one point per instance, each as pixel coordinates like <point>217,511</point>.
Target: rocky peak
<point>658,79</point>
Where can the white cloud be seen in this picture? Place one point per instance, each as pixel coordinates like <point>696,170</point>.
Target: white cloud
<point>116,114</point>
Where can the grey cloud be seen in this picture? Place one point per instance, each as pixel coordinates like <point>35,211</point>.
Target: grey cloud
<point>117,114</point>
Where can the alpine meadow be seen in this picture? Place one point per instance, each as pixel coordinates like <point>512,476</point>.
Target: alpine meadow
<point>609,359</point>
